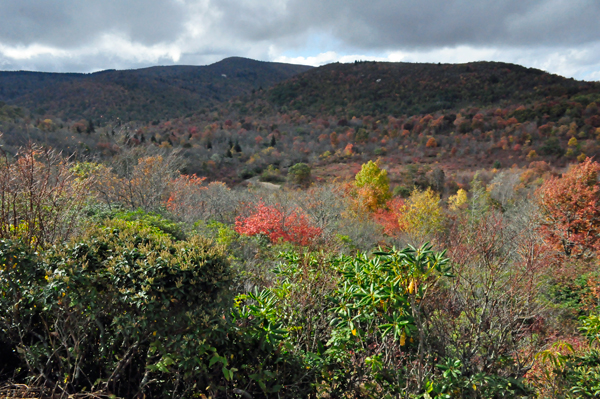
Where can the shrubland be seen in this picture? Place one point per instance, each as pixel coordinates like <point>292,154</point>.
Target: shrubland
<point>129,278</point>
<point>334,236</point>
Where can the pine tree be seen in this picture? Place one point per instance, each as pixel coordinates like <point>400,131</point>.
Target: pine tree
<point>90,127</point>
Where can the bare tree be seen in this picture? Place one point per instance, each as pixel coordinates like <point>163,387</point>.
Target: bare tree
<point>493,312</point>
<point>137,180</point>
<point>40,198</point>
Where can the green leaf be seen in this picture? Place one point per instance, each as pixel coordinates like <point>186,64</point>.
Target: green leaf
<point>216,358</point>
<point>228,374</point>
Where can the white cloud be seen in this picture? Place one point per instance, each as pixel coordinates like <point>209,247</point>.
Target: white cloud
<point>31,51</point>
<point>578,63</point>
<point>327,58</point>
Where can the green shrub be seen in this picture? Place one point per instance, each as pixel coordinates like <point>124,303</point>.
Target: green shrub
<point>117,310</point>
<point>100,213</point>
<point>357,319</point>
<point>271,175</point>
<point>552,146</point>
<point>299,173</point>
<point>20,280</point>
<point>571,374</point>
<point>127,310</point>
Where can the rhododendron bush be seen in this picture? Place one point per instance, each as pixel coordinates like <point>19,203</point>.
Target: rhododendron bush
<point>277,223</point>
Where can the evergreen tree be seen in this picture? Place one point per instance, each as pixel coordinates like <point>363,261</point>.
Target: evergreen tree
<point>90,128</point>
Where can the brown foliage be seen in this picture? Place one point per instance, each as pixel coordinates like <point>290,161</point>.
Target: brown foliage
<point>491,309</point>
<point>39,196</point>
<point>137,183</point>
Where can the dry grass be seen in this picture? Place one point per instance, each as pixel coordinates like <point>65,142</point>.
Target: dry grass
<point>22,391</point>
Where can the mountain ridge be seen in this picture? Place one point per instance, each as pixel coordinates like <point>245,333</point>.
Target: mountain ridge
<point>378,88</point>
<point>161,92</point>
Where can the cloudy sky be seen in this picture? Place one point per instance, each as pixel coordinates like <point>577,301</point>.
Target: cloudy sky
<point>559,36</point>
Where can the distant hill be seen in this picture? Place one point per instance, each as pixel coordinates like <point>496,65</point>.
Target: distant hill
<point>382,88</point>
<point>143,94</point>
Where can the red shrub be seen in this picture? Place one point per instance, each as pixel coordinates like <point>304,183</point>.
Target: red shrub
<point>389,217</point>
<point>277,224</point>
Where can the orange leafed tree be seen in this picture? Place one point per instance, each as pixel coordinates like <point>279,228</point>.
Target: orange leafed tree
<point>571,210</point>
<point>431,143</point>
<point>41,197</point>
<point>277,224</point>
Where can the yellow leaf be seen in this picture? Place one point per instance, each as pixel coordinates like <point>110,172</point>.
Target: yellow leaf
<point>354,331</point>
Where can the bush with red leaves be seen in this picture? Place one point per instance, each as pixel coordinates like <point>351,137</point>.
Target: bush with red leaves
<point>389,217</point>
<point>278,224</point>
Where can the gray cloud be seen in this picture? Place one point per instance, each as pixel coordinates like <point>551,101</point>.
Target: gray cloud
<point>73,23</point>
<point>90,35</point>
<point>426,23</point>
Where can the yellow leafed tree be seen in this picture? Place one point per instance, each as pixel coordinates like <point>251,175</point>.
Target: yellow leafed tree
<point>458,201</point>
<point>422,216</point>
<point>372,186</point>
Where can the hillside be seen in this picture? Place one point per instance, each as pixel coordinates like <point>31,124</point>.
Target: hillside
<point>335,117</point>
<point>381,88</point>
<point>144,94</point>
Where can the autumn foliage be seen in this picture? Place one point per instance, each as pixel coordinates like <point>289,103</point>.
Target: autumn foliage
<point>431,143</point>
<point>571,210</point>
<point>389,217</point>
<point>422,217</point>
<point>40,196</point>
<point>184,197</point>
<point>278,224</point>
<point>371,187</point>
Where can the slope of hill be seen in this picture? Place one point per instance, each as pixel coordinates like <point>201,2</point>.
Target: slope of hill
<point>381,88</point>
<point>460,117</point>
<point>143,94</point>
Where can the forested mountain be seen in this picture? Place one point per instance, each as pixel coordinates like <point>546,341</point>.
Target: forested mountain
<point>382,88</point>
<point>145,94</point>
<point>464,116</point>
